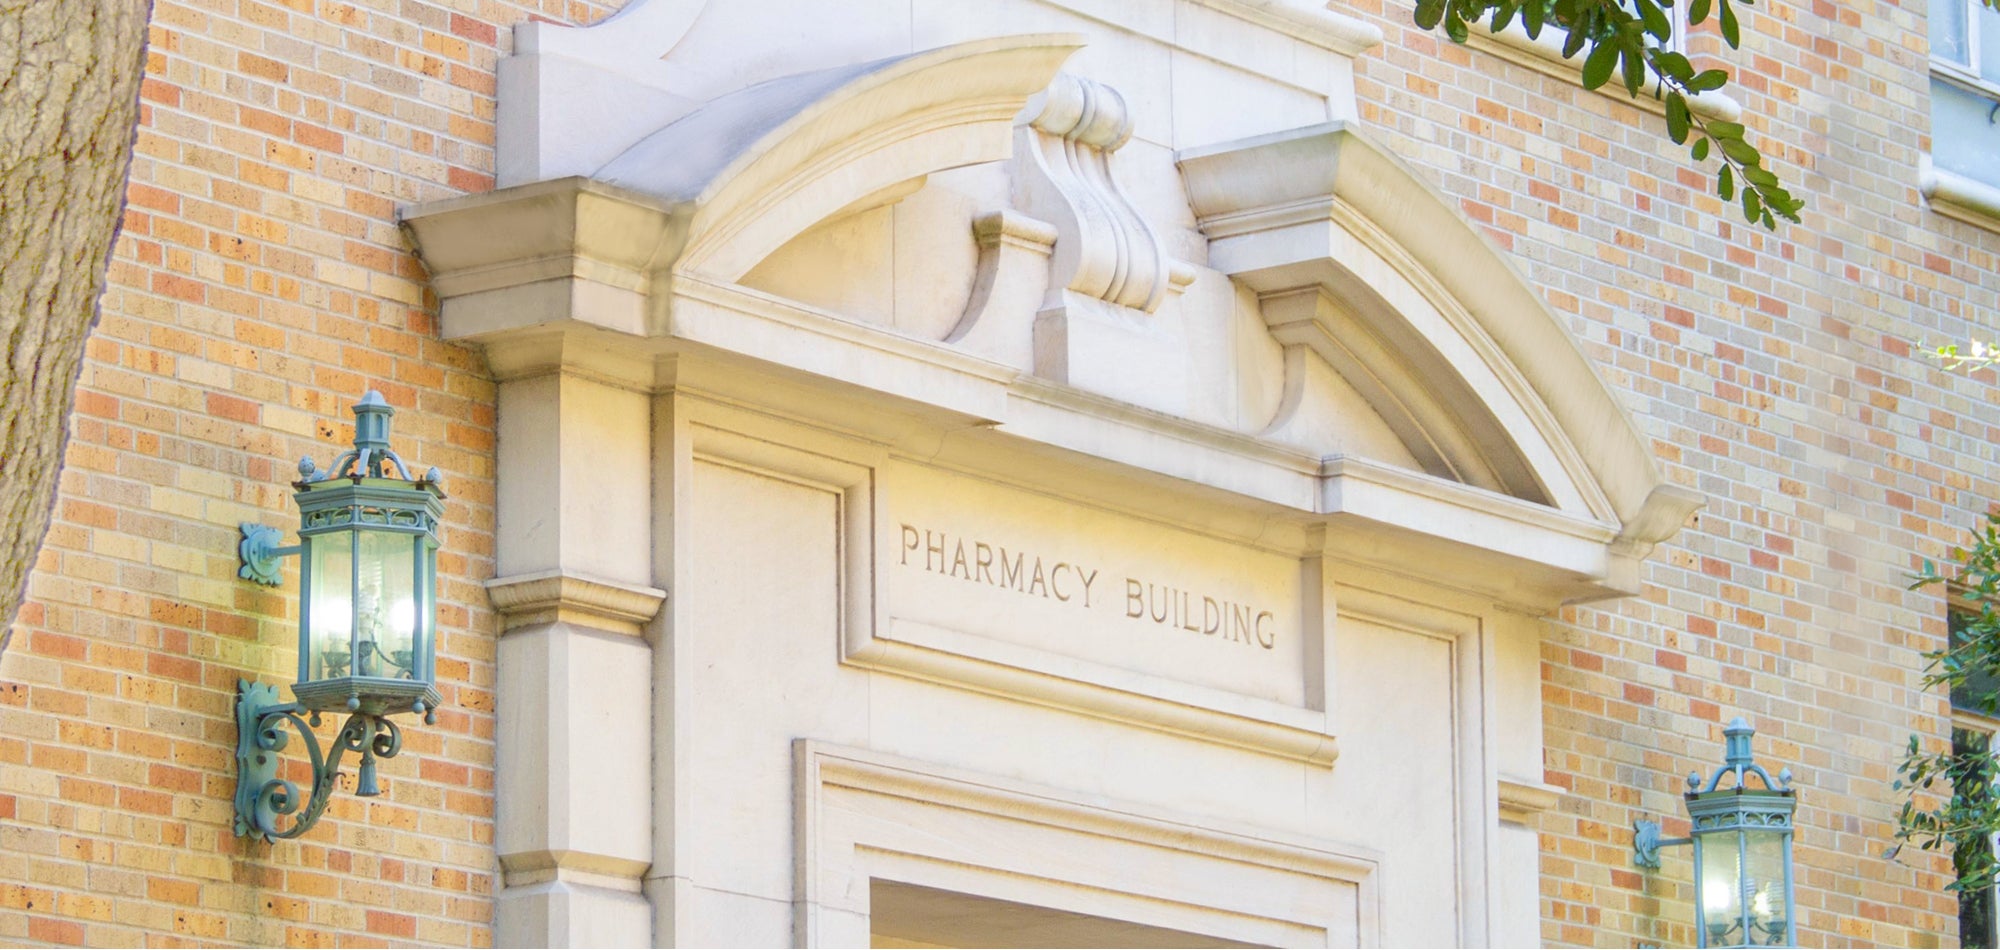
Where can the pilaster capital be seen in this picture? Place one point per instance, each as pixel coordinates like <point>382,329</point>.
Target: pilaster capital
<point>567,597</point>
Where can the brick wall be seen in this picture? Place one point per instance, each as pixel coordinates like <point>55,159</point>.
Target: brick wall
<point>260,287</point>
<point>1781,376</point>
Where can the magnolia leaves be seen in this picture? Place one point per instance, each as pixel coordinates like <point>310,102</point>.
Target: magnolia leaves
<point>1628,39</point>
<point>1968,668</point>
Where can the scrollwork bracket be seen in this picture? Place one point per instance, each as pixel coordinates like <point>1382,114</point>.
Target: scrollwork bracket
<point>262,797</point>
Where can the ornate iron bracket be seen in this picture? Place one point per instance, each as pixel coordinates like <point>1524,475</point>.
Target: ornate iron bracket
<point>260,553</point>
<point>1646,844</point>
<point>262,798</point>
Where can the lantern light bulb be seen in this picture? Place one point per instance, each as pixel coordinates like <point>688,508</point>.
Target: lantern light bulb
<point>331,613</point>
<point>1715,898</point>
<point>403,616</point>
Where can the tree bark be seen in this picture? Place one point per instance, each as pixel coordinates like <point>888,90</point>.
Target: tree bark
<point>69,106</point>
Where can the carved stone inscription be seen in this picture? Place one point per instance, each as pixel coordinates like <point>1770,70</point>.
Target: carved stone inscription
<point>1022,572</point>
<point>1008,565</point>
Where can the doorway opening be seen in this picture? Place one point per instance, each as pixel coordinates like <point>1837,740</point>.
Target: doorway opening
<point>910,915</point>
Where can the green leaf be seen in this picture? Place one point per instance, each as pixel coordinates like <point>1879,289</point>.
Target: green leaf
<point>1730,34</point>
<point>1725,184</point>
<point>1656,21</point>
<point>1725,130</point>
<point>1635,69</point>
<point>1531,17</point>
<point>1697,11</point>
<point>1700,150</point>
<point>1429,12</point>
<point>1574,43</point>
<point>1673,65</point>
<point>1677,118</point>
<point>1597,68</point>
<point>1708,79</point>
<point>1739,151</point>
<point>1753,206</point>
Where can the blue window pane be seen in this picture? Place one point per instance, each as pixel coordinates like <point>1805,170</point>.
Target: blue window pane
<point>1989,43</point>
<point>1948,37</point>
<point>1963,139</point>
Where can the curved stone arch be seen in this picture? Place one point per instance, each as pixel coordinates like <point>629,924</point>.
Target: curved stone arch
<point>1361,261</point>
<point>756,168</point>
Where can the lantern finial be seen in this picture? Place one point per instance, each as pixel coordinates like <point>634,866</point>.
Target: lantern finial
<point>371,456</point>
<point>1738,758</point>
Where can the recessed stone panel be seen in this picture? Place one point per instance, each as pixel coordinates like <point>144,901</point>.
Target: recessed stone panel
<point>1062,579</point>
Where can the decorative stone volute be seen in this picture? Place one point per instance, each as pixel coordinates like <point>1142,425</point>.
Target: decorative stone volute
<point>1062,174</point>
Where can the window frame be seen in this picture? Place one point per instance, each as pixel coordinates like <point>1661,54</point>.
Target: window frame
<point>1965,719</point>
<point>1967,74</point>
<point>1975,201</point>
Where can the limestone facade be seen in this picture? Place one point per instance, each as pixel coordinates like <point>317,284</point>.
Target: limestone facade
<point>1174,472</point>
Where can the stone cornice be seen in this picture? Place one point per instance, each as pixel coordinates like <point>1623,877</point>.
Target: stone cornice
<point>559,597</point>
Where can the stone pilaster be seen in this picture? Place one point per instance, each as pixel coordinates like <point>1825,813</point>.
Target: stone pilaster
<point>574,770</point>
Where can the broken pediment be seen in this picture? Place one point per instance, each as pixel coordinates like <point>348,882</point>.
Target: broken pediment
<point>1359,262</point>
<point>1005,242</point>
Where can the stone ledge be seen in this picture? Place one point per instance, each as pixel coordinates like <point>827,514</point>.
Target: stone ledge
<point>1543,54</point>
<point>1521,799</point>
<point>558,597</point>
<point>1956,196</point>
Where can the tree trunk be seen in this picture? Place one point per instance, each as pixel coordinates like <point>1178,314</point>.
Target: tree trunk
<point>69,104</point>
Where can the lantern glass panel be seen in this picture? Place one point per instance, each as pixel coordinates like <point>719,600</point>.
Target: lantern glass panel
<point>387,606</point>
<point>330,605</point>
<point>1721,890</point>
<point>1764,884</point>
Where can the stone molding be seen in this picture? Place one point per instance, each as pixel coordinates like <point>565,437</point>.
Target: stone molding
<point>561,597</point>
<point>962,660</point>
<point>1522,799</point>
<point>1956,196</point>
<point>925,800</point>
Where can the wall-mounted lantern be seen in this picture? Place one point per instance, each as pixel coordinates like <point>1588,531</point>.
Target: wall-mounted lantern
<point>1742,841</point>
<point>368,540</point>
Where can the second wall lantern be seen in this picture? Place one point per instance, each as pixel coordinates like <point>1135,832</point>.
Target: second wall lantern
<point>1742,839</point>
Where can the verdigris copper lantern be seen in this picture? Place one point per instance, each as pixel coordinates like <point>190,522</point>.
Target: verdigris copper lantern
<point>1742,839</point>
<point>368,541</point>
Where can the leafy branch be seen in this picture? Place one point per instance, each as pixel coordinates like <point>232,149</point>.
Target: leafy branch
<point>1628,38</point>
<point>1978,355</point>
<point>1968,667</point>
